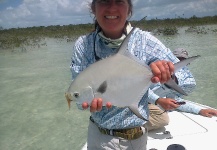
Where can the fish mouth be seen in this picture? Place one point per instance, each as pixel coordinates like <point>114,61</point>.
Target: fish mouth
<point>68,98</point>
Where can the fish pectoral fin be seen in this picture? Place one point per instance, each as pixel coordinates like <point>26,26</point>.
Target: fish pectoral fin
<point>102,88</point>
<point>135,109</point>
<point>173,85</point>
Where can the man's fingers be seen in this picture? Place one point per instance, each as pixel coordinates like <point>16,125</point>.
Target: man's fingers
<point>165,72</point>
<point>156,71</point>
<point>99,104</point>
<point>96,105</point>
<point>162,71</point>
<point>85,105</point>
<point>155,79</point>
<point>93,106</point>
<point>171,67</point>
<point>108,105</point>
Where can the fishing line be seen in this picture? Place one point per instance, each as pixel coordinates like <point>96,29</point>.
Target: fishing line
<point>195,122</point>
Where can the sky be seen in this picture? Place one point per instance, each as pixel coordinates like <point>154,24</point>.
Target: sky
<point>29,13</point>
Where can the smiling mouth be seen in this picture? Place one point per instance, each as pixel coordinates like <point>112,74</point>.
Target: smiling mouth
<point>111,17</point>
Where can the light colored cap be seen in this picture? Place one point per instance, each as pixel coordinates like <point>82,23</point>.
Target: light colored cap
<point>180,52</point>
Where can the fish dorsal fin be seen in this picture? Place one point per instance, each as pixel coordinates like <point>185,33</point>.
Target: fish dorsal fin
<point>123,50</point>
<point>184,62</point>
<point>124,44</point>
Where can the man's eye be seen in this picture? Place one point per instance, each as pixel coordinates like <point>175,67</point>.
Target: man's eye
<point>120,1</point>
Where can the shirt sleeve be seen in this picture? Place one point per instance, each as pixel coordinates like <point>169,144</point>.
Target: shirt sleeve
<point>189,107</point>
<point>150,49</point>
<point>164,91</point>
<point>80,56</point>
<point>185,80</point>
<point>152,97</point>
<point>79,59</point>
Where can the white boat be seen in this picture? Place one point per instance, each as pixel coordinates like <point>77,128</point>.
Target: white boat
<point>185,131</point>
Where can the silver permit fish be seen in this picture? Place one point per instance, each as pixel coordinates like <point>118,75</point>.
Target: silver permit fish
<point>121,79</point>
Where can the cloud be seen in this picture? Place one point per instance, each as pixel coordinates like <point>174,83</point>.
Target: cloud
<point>174,8</point>
<point>29,13</point>
<point>44,12</point>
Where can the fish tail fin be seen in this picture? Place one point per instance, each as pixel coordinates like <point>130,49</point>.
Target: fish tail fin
<point>184,62</point>
<point>173,85</point>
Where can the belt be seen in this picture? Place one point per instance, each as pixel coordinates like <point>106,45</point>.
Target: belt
<point>129,134</point>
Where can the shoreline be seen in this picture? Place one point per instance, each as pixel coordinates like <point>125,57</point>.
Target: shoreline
<point>19,37</point>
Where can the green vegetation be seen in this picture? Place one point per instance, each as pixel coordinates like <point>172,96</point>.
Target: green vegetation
<point>33,36</point>
<point>169,26</point>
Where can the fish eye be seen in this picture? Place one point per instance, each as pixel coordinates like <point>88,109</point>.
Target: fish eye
<point>76,95</point>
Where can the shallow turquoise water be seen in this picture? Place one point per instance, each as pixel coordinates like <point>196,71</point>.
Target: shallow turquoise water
<point>204,69</point>
<point>33,110</point>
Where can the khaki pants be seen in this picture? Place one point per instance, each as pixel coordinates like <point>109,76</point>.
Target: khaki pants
<point>99,141</point>
<point>157,118</point>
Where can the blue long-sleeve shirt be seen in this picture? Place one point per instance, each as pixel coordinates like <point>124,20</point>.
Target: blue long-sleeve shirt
<point>146,48</point>
<point>162,91</point>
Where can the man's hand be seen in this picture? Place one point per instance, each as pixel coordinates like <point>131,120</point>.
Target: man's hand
<point>167,103</point>
<point>162,71</point>
<point>96,105</point>
<point>208,112</point>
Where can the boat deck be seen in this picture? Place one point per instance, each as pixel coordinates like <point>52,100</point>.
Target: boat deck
<point>185,131</point>
<point>193,132</point>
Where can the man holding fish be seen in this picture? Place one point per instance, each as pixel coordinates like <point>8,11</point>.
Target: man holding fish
<point>113,63</point>
<point>167,99</point>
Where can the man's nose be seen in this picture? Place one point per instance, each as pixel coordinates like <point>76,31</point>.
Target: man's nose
<point>112,3</point>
